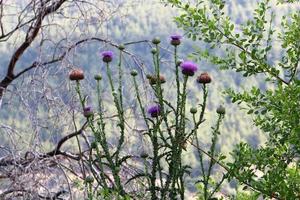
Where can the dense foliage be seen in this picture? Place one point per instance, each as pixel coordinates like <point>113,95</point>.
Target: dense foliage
<point>272,169</point>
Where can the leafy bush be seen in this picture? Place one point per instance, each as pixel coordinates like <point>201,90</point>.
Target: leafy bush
<point>275,110</point>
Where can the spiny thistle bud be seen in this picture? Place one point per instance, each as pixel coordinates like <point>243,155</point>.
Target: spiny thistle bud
<point>175,40</point>
<point>76,75</point>
<point>107,56</point>
<point>153,79</point>
<point>134,73</point>
<point>153,51</point>
<point>154,110</point>
<point>88,111</point>
<point>121,47</point>
<point>178,63</point>
<point>89,179</point>
<point>204,78</point>
<point>221,110</point>
<point>156,40</point>
<point>188,68</point>
<point>193,110</point>
<point>98,77</point>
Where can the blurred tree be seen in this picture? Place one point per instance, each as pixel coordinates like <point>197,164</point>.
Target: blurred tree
<point>39,41</point>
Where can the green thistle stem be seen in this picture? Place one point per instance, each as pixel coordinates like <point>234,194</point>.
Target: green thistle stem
<point>201,115</point>
<point>100,136</point>
<point>90,191</point>
<point>140,101</point>
<point>113,165</point>
<point>212,153</point>
<point>101,121</point>
<point>120,110</point>
<point>196,126</point>
<point>155,160</point>
<point>81,99</point>
<point>77,88</point>
<point>182,107</point>
<point>177,86</point>
<point>120,82</point>
<point>120,113</point>
<point>158,91</point>
<point>177,146</point>
<point>102,174</point>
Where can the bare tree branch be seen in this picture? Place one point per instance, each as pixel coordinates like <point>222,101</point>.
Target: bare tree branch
<point>31,34</point>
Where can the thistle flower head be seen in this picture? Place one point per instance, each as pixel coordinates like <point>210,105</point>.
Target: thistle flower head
<point>134,73</point>
<point>121,47</point>
<point>193,110</point>
<point>153,51</point>
<point>88,111</point>
<point>98,77</point>
<point>107,56</point>
<point>188,68</point>
<point>156,40</point>
<point>76,75</point>
<point>221,110</point>
<point>204,78</point>
<point>175,40</point>
<point>154,110</point>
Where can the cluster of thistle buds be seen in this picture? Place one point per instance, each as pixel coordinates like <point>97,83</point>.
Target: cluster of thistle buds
<point>188,68</point>
<point>185,68</point>
<point>78,75</point>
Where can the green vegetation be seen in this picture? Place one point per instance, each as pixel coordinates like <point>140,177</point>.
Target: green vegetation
<point>142,21</point>
<point>256,47</point>
<point>168,129</point>
<point>275,110</point>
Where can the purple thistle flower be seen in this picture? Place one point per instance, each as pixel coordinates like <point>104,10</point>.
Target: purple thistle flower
<point>188,68</point>
<point>175,40</point>
<point>88,111</point>
<point>154,110</point>
<point>176,37</point>
<point>107,56</point>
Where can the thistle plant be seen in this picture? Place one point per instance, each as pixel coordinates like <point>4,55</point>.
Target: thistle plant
<point>168,130</point>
